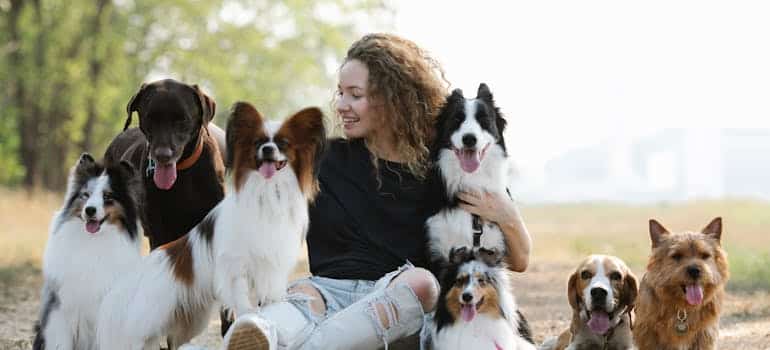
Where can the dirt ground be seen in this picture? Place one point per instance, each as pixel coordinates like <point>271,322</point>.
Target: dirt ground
<point>745,323</point>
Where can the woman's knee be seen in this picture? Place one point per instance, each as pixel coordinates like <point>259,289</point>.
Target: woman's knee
<point>315,299</point>
<point>423,284</point>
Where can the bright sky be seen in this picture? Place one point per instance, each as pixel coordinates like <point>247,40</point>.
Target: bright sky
<point>569,73</point>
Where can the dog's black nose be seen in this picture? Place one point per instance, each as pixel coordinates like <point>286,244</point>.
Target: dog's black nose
<point>693,271</point>
<point>90,211</point>
<point>598,293</point>
<point>469,140</point>
<point>467,297</point>
<point>268,151</point>
<point>163,154</point>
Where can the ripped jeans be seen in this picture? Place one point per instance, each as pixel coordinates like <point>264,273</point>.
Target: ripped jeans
<point>352,319</point>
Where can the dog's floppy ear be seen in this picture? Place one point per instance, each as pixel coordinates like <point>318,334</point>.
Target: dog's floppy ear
<point>630,290</point>
<point>458,255</point>
<point>714,229</point>
<point>490,257</point>
<point>244,118</point>
<point>134,103</point>
<point>657,232</point>
<point>572,295</point>
<point>207,105</point>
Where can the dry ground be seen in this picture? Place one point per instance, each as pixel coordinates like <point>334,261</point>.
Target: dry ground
<point>562,235</point>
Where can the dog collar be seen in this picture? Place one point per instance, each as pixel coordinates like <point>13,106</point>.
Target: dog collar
<point>190,161</point>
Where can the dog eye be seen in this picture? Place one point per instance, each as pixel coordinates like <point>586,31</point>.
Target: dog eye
<point>677,257</point>
<point>108,198</point>
<point>84,195</point>
<point>615,276</point>
<point>705,256</point>
<point>281,143</point>
<point>585,275</point>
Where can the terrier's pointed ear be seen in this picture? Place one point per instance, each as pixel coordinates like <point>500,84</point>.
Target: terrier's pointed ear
<point>714,229</point>
<point>657,232</point>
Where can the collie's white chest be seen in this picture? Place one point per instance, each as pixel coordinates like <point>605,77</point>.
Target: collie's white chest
<point>454,228</point>
<point>482,333</point>
<point>83,266</point>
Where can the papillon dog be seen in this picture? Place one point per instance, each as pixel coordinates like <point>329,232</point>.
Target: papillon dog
<point>249,243</point>
<point>470,155</point>
<point>93,241</point>
<point>476,307</point>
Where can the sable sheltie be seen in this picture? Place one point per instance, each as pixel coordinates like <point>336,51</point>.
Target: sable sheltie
<point>476,308</point>
<point>470,155</point>
<point>249,242</point>
<point>93,240</point>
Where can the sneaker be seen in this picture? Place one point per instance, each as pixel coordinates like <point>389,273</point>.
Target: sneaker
<point>250,332</point>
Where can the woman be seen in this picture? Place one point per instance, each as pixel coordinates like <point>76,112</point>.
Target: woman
<point>366,240</point>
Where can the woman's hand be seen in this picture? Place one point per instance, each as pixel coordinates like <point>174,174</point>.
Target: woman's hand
<point>498,208</point>
<point>490,206</point>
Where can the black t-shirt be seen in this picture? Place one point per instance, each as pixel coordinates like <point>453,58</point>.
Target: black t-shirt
<point>362,230</point>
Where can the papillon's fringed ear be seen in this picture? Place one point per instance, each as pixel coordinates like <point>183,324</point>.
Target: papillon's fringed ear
<point>243,115</point>
<point>458,255</point>
<point>207,105</point>
<point>490,257</point>
<point>133,104</point>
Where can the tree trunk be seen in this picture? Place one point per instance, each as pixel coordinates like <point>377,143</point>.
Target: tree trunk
<point>95,63</point>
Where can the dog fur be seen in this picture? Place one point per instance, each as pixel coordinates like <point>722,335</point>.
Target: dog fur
<point>249,243</point>
<point>173,119</point>
<point>682,291</point>
<point>470,155</point>
<point>601,290</point>
<point>476,307</point>
<point>92,242</point>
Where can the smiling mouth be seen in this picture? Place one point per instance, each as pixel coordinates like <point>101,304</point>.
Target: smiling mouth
<point>93,225</point>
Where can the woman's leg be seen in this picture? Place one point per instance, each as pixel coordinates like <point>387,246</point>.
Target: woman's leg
<point>279,324</point>
<point>392,310</point>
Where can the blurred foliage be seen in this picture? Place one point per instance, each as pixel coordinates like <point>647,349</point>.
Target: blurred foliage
<point>68,68</point>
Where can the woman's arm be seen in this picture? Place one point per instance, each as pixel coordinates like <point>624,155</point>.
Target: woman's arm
<point>498,208</point>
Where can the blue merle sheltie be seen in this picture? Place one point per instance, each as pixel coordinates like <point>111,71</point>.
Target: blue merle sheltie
<point>93,239</point>
<point>470,155</point>
<point>476,308</point>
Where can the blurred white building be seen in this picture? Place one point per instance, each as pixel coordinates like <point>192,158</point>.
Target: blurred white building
<point>672,164</point>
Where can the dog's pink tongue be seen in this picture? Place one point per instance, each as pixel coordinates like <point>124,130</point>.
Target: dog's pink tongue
<point>469,160</point>
<point>165,176</point>
<point>92,226</point>
<point>468,312</point>
<point>694,294</point>
<point>599,322</point>
<point>267,169</point>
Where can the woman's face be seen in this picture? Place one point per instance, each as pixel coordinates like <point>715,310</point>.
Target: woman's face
<point>354,107</point>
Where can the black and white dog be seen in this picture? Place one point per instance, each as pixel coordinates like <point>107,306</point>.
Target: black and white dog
<point>470,155</point>
<point>476,308</point>
<point>92,241</point>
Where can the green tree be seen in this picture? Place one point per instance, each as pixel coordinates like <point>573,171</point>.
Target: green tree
<point>69,67</point>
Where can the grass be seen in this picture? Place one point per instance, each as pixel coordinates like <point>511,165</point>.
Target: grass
<point>562,233</point>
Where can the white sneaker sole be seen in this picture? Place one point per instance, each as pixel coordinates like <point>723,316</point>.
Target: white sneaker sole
<point>246,336</point>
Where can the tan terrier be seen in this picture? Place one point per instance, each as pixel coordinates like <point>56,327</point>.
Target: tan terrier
<point>680,296</point>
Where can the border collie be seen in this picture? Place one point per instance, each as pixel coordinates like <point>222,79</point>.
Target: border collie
<point>249,242</point>
<point>470,155</point>
<point>93,241</point>
<point>476,308</point>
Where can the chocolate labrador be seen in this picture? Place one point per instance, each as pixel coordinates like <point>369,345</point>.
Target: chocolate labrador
<point>179,156</point>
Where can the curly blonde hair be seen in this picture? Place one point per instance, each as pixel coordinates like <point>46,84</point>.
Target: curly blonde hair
<point>413,88</point>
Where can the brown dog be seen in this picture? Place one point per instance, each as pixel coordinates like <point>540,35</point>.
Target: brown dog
<point>178,155</point>
<point>602,292</point>
<point>682,291</point>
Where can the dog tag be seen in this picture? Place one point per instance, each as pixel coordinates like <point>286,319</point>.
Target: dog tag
<point>150,168</point>
<point>681,328</point>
